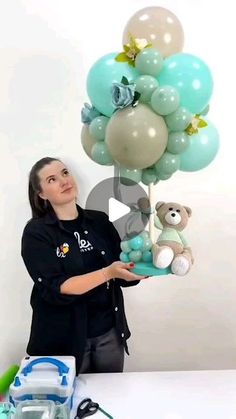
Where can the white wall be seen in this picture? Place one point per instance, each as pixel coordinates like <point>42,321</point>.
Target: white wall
<point>47,48</point>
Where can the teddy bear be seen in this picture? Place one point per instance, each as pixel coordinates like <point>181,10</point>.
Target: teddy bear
<point>171,248</point>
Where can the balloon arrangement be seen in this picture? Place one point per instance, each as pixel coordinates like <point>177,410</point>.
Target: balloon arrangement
<point>149,104</point>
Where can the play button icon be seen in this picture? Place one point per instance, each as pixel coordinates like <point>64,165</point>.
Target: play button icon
<point>121,203</point>
<point>117,209</point>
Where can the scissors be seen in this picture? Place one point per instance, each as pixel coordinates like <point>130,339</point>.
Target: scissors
<point>86,408</point>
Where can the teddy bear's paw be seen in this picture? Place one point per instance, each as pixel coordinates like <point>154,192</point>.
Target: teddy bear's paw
<point>163,257</point>
<point>180,266</point>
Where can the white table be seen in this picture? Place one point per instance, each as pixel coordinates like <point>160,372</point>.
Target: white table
<point>161,395</point>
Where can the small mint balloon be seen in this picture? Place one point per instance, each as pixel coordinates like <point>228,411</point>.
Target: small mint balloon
<point>164,176</point>
<point>100,154</point>
<point>149,176</point>
<point>135,255</point>
<point>124,257</point>
<point>168,164</point>
<point>147,244</point>
<point>179,120</point>
<point>147,256</point>
<point>178,142</point>
<point>191,77</point>
<point>125,246</point>
<point>202,149</point>
<point>149,61</point>
<point>129,176</point>
<point>97,128</point>
<point>145,85</point>
<point>136,243</point>
<point>144,234</point>
<point>165,100</point>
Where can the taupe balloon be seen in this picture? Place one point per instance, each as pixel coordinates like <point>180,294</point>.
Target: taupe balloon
<point>87,140</point>
<point>159,26</point>
<point>136,136</point>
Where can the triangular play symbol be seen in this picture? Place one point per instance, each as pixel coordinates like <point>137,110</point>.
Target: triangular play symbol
<point>117,209</point>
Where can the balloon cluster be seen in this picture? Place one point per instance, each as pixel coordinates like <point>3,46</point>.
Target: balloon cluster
<point>137,249</point>
<point>149,103</point>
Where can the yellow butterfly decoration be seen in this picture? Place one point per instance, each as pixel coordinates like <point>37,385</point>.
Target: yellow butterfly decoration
<point>196,123</point>
<point>131,50</point>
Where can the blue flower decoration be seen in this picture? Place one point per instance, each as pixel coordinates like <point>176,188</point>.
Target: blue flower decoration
<point>88,113</point>
<point>122,95</point>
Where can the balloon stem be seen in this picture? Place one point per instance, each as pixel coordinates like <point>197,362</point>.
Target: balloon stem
<point>151,218</point>
<point>116,183</point>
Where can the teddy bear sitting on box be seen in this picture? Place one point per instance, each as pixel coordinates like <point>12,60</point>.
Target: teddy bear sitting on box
<point>171,248</point>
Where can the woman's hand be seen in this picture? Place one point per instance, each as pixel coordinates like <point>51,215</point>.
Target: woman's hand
<point>121,270</point>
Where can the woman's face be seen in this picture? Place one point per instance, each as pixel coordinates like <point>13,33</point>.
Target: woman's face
<point>57,184</point>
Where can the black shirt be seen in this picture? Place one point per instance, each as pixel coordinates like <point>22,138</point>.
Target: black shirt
<point>100,317</point>
<point>50,252</point>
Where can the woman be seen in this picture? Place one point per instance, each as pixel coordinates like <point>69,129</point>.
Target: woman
<point>72,256</point>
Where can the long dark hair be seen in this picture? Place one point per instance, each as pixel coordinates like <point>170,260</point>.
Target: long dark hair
<point>39,206</point>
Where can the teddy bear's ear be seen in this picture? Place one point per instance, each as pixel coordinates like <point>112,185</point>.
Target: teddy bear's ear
<point>159,204</point>
<point>189,211</point>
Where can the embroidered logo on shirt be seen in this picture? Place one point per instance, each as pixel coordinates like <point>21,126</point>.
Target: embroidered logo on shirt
<point>62,250</point>
<point>84,245</point>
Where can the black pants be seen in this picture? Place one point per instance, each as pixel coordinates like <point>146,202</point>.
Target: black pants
<point>103,354</point>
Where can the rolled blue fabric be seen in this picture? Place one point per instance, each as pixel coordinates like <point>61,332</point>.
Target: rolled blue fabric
<point>122,95</point>
<point>88,113</point>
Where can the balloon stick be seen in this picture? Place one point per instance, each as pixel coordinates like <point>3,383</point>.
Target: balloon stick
<point>151,218</point>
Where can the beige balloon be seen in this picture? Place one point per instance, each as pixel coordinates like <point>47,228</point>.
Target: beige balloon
<point>136,136</point>
<point>158,26</point>
<point>87,141</point>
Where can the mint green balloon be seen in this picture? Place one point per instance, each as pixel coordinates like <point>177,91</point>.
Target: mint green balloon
<point>127,175</point>
<point>124,257</point>
<point>179,120</point>
<point>165,100</point>
<point>104,72</point>
<point>168,164</point>
<point>149,176</point>
<point>147,256</point>
<point>202,149</point>
<point>97,128</point>
<point>135,255</point>
<point>100,154</point>
<point>144,234</point>
<point>145,85</point>
<point>178,142</point>
<point>136,243</point>
<point>149,61</point>
<point>125,246</point>
<point>164,176</point>
<point>191,77</point>
<point>147,244</point>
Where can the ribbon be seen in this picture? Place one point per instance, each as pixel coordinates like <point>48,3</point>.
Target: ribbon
<point>139,211</point>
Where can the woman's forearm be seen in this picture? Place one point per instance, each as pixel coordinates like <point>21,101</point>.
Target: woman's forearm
<point>80,284</point>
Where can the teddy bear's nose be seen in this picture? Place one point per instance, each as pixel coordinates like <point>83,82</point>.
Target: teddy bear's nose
<point>173,214</point>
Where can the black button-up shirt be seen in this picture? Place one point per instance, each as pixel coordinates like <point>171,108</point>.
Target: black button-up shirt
<point>100,313</point>
<point>50,252</point>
